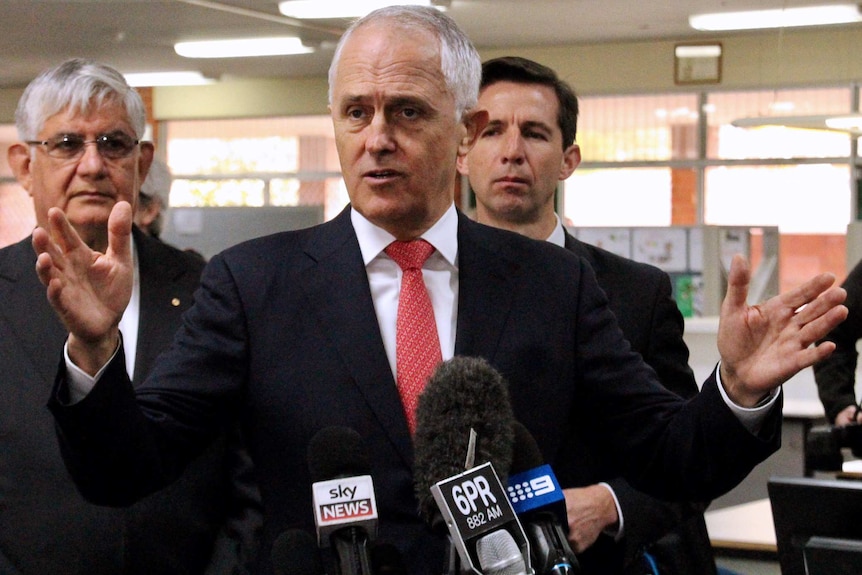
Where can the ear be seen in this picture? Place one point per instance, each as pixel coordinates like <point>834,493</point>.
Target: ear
<point>145,160</point>
<point>571,160</point>
<point>18,156</point>
<point>461,164</point>
<point>474,122</point>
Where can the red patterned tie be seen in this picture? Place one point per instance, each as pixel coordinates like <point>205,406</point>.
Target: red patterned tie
<point>417,347</point>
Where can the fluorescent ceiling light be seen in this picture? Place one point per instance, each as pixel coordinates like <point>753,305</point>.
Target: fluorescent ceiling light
<point>148,79</point>
<point>242,48</point>
<point>778,18</point>
<point>851,123</point>
<point>317,10</point>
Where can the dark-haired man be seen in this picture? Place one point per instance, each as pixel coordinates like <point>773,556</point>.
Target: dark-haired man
<point>525,150</point>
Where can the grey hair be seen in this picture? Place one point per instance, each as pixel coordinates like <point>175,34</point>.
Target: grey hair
<point>158,182</point>
<point>459,60</point>
<point>79,85</point>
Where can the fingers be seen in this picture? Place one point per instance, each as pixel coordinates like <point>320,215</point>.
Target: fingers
<point>62,232</point>
<point>808,291</point>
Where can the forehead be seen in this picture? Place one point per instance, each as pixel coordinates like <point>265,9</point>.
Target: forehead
<point>523,102</point>
<point>105,117</point>
<point>387,61</point>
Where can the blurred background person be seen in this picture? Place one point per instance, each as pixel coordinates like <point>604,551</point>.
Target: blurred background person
<point>154,199</point>
<point>836,375</point>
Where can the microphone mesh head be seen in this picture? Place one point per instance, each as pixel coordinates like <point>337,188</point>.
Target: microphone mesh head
<point>464,393</point>
<point>499,554</point>
<point>336,452</point>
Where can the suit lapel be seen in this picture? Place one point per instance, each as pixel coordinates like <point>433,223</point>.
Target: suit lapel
<point>163,299</point>
<point>338,293</point>
<point>485,276</point>
<point>24,305</point>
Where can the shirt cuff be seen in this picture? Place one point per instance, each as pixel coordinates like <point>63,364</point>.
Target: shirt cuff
<point>617,531</point>
<point>80,382</point>
<point>751,418</point>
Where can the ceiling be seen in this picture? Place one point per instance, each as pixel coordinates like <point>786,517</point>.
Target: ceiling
<point>138,35</point>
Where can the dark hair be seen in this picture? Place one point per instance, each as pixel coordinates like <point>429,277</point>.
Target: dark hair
<point>524,71</point>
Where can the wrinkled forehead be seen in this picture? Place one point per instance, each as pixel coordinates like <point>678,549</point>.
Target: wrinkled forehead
<point>395,56</point>
<point>97,117</point>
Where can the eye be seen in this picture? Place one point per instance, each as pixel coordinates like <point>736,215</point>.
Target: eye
<point>66,144</point>
<point>355,113</point>
<point>534,135</point>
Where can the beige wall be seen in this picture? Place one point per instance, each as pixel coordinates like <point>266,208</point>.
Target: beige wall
<point>769,59</point>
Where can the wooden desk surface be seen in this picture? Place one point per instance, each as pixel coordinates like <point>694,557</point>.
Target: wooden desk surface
<point>744,527</point>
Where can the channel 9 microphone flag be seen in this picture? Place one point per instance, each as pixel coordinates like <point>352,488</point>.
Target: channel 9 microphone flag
<point>464,435</point>
<point>540,505</point>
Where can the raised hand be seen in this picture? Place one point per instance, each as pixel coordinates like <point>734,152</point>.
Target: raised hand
<point>763,346</point>
<point>88,290</point>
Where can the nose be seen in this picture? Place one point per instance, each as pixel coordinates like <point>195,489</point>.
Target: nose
<point>513,148</point>
<point>381,137</point>
<point>91,161</point>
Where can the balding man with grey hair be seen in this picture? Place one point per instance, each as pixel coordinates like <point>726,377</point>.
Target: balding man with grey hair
<point>296,332</point>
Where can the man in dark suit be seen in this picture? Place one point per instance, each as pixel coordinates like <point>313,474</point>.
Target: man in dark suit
<point>207,521</point>
<point>527,147</point>
<point>296,332</point>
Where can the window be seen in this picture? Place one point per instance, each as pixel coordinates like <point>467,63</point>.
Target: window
<point>255,162</point>
<point>656,161</point>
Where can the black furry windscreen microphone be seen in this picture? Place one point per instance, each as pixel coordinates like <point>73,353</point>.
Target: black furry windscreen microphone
<point>464,393</point>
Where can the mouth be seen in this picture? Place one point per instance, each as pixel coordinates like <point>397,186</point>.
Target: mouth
<point>381,175</point>
<point>512,180</point>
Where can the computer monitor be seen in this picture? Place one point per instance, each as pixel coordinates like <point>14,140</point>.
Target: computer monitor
<point>831,556</point>
<point>809,512</point>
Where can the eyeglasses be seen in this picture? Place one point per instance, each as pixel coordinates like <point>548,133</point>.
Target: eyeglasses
<point>115,146</point>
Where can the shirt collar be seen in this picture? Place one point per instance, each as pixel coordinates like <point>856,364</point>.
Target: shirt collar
<point>443,235</point>
<point>558,236</point>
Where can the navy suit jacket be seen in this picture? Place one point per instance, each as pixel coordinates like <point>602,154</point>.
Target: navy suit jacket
<point>45,524</point>
<point>641,297</point>
<point>283,335</point>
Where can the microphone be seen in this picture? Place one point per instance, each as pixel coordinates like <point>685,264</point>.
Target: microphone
<point>345,509</point>
<point>540,504</point>
<point>465,410</point>
<point>294,552</point>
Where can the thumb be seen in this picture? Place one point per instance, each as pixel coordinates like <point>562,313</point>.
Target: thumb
<point>120,230</point>
<point>737,282</point>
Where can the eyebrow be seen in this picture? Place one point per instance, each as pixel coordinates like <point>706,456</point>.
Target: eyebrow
<point>531,124</point>
<point>395,101</point>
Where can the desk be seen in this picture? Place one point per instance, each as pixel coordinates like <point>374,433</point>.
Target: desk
<point>746,528</point>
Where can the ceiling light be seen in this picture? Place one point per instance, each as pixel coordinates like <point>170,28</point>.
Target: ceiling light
<point>316,10</point>
<point>149,79</point>
<point>242,48</point>
<point>851,123</point>
<point>778,18</point>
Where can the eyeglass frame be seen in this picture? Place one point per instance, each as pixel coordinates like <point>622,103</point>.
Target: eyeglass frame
<point>100,138</point>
